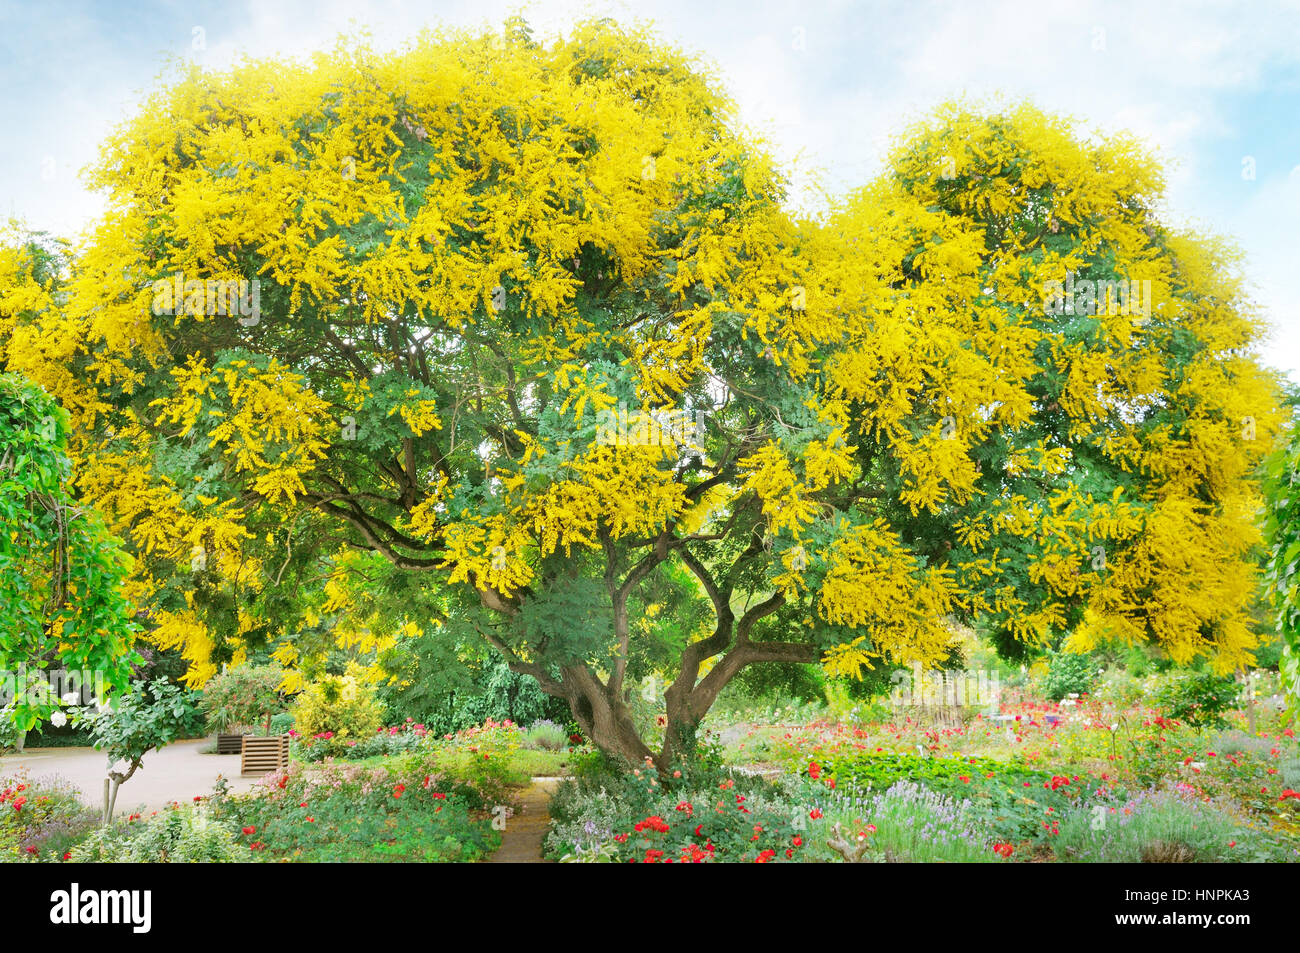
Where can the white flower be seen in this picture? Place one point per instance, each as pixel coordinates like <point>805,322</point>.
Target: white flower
<point>58,719</point>
<point>72,698</point>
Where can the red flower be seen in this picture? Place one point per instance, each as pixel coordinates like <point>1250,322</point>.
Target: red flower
<point>814,770</point>
<point>815,813</point>
<point>19,802</point>
<point>963,779</point>
<point>654,822</point>
<point>1003,850</point>
<point>69,856</point>
<point>250,830</point>
<point>1289,793</point>
<point>797,840</point>
<point>764,856</point>
<point>399,790</point>
<point>30,850</point>
<point>257,845</point>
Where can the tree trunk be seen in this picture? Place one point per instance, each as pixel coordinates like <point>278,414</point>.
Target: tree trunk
<point>603,715</point>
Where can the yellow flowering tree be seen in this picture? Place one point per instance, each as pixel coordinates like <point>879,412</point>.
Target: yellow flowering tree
<point>530,322</point>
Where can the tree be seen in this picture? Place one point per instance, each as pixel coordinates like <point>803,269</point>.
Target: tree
<point>1282,568</point>
<point>530,326</point>
<point>138,721</point>
<point>61,573</point>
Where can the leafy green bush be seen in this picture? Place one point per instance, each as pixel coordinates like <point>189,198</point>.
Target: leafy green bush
<point>178,835</point>
<point>243,697</point>
<point>1198,698</point>
<point>446,695</point>
<point>1069,674</point>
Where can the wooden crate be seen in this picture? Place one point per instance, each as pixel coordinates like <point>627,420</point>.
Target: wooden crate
<point>261,755</point>
<point>230,744</point>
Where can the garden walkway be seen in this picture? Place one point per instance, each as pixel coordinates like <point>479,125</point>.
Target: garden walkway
<point>176,773</point>
<point>522,841</point>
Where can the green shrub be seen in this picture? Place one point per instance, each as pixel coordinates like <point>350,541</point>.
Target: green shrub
<point>1198,698</point>
<point>243,697</point>
<point>184,835</point>
<point>1069,674</point>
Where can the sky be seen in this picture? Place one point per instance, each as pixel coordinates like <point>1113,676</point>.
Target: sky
<point>1213,86</point>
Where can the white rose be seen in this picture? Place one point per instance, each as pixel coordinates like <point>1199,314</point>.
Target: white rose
<point>58,719</point>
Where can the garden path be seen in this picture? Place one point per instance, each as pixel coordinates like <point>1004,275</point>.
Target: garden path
<point>177,772</point>
<point>522,841</point>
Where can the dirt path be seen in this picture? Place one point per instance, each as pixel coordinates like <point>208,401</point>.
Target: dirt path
<point>521,843</point>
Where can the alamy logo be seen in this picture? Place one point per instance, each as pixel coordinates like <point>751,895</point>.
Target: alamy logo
<point>1097,297</point>
<point>213,296</point>
<point>133,907</point>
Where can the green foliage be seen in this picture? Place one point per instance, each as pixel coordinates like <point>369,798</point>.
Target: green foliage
<point>184,835</point>
<point>1199,698</point>
<point>780,680</point>
<point>150,716</point>
<point>1018,802</point>
<point>61,573</point>
<point>908,823</point>
<point>243,697</point>
<point>631,816</point>
<point>356,814</point>
<point>1070,674</point>
<point>1282,567</point>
